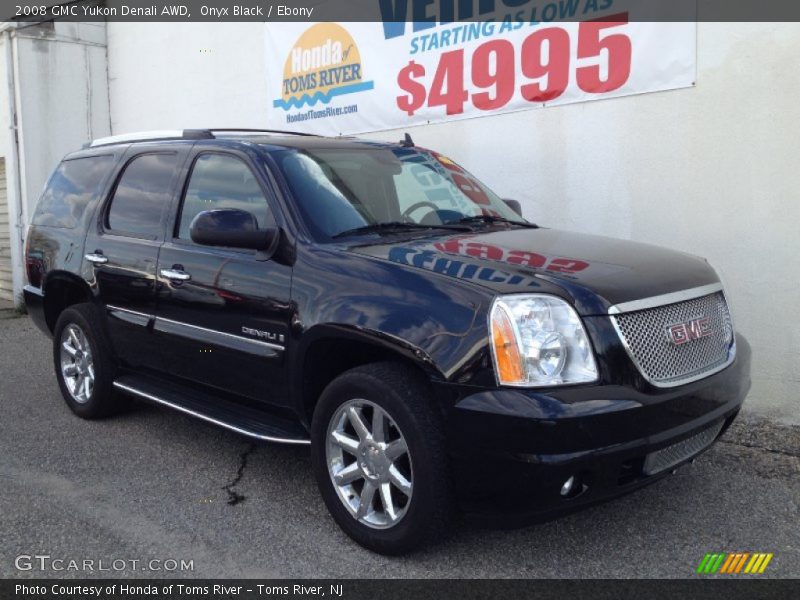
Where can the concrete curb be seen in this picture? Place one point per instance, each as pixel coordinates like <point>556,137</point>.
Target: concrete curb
<point>755,431</point>
<point>9,310</point>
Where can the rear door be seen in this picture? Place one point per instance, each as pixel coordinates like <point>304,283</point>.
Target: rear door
<point>121,252</point>
<point>223,315</point>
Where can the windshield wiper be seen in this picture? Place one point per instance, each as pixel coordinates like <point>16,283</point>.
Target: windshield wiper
<point>393,226</point>
<point>492,219</point>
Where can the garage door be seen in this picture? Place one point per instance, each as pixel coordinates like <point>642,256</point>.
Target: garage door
<point>6,285</point>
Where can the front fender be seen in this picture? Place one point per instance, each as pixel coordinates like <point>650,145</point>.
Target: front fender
<point>434,321</point>
<point>380,340</point>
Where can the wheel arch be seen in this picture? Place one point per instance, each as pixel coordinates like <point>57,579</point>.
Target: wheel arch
<point>62,290</point>
<point>327,351</point>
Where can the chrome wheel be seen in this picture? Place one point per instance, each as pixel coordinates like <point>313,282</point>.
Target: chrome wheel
<point>77,367</point>
<point>369,464</point>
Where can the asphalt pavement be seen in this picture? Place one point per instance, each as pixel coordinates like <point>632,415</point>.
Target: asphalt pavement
<point>154,485</point>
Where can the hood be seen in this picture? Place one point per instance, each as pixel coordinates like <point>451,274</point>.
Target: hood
<point>594,272</point>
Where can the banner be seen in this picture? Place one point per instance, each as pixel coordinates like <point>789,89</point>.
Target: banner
<point>344,78</point>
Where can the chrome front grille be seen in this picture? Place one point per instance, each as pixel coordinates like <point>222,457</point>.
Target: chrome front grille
<point>663,459</point>
<point>645,334</point>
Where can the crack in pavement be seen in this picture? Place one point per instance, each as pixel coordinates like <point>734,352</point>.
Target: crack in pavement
<point>756,447</point>
<point>235,497</point>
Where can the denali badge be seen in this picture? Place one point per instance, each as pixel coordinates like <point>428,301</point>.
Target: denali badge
<point>693,329</point>
<point>267,335</point>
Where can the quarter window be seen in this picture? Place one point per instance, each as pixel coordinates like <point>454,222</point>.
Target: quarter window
<point>220,181</point>
<point>141,195</point>
<point>75,184</point>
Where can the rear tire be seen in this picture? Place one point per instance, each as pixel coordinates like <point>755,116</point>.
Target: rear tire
<point>83,362</point>
<point>378,453</point>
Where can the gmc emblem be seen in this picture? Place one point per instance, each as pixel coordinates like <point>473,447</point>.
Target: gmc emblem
<point>693,329</point>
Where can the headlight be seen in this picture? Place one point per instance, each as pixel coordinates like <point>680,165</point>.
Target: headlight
<point>539,340</point>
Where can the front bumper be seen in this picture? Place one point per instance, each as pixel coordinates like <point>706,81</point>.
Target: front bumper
<point>512,450</point>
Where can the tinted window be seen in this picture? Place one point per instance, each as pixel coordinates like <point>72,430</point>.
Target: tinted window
<point>74,185</point>
<point>141,194</point>
<point>219,181</point>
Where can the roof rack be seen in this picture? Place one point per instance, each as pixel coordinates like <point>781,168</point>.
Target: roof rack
<point>278,131</point>
<point>182,134</point>
<point>161,134</point>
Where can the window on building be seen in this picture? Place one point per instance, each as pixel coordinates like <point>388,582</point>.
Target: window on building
<point>222,181</point>
<point>141,195</point>
<point>74,185</point>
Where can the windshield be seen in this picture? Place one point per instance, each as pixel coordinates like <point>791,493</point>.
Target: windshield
<point>339,190</point>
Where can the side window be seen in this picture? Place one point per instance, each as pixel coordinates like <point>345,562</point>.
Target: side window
<point>73,186</point>
<point>222,181</point>
<point>141,195</point>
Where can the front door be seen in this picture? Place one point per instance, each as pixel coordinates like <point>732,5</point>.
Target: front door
<point>223,315</point>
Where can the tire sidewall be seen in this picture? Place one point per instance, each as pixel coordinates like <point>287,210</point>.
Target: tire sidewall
<point>99,403</point>
<point>426,463</point>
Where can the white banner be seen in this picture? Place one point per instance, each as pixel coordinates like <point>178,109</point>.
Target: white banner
<point>342,78</point>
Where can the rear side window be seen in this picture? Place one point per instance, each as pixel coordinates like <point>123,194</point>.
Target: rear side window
<point>142,194</point>
<point>74,185</point>
<point>220,181</point>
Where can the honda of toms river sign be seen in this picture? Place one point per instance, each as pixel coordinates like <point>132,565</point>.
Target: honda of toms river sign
<point>342,78</point>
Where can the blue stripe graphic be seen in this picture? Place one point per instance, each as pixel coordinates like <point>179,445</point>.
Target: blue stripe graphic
<point>323,97</point>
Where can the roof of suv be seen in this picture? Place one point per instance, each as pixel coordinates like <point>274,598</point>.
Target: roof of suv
<point>287,139</point>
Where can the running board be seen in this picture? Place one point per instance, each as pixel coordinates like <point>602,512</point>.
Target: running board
<point>224,413</point>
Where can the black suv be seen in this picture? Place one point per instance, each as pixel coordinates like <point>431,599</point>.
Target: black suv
<point>379,303</point>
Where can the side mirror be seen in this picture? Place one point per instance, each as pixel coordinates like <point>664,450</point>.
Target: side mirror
<point>514,205</point>
<point>231,228</point>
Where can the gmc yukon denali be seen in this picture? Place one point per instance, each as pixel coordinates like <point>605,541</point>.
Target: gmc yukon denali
<point>437,351</point>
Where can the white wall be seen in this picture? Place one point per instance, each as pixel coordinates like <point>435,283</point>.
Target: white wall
<point>712,170</point>
<point>6,154</point>
<point>62,89</point>
<point>185,75</point>
<point>58,75</point>
<point>4,102</point>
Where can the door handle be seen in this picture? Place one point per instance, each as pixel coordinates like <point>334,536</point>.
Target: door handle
<point>175,275</point>
<point>96,258</point>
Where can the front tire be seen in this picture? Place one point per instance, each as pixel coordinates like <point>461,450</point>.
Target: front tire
<point>83,362</point>
<point>379,458</point>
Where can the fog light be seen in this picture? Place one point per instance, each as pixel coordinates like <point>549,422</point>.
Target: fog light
<point>568,486</point>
